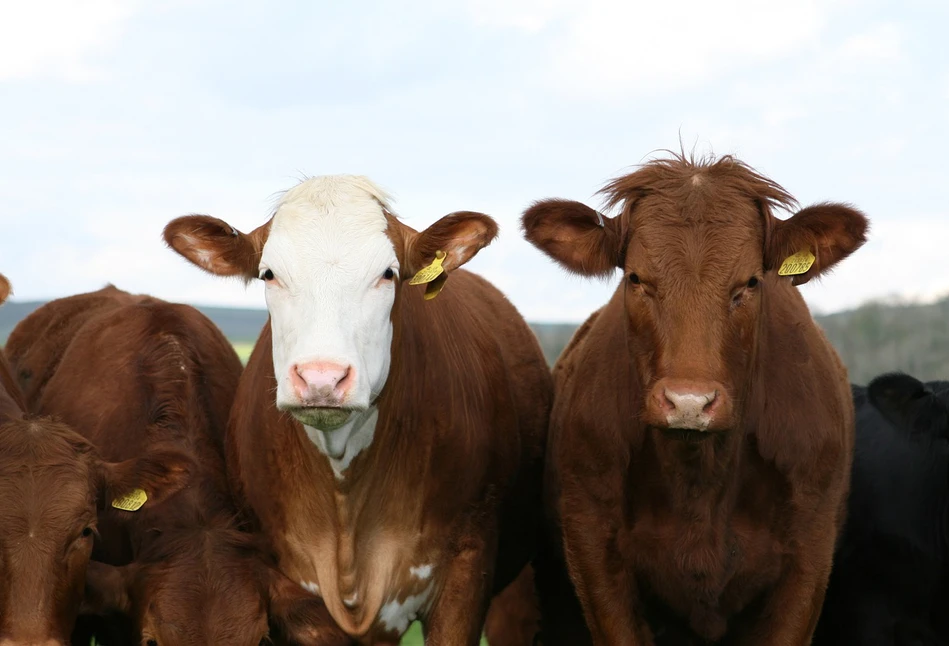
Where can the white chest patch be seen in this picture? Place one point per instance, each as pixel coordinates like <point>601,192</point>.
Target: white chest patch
<point>343,444</point>
<point>396,616</point>
<point>422,572</point>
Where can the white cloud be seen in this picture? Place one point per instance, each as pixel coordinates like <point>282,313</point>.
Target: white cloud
<point>904,256</point>
<point>56,38</point>
<point>452,109</point>
<point>880,43</point>
<point>622,48</point>
<point>528,15</point>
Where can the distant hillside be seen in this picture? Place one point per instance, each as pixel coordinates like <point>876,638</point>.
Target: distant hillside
<point>872,339</point>
<point>239,325</point>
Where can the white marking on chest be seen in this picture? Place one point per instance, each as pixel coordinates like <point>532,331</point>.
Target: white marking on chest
<point>310,587</point>
<point>421,572</point>
<point>342,445</point>
<point>396,616</point>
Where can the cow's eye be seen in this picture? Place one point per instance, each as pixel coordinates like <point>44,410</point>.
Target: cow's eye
<point>388,274</point>
<point>87,532</point>
<point>752,282</point>
<point>634,279</point>
<point>266,275</point>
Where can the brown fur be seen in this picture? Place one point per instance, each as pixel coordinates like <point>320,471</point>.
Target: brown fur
<point>452,476</point>
<point>722,536</point>
<point>12,403</point>
<point>514,615</point>
<point>53,484</point>
<point>5,289</point>
<point>135,374</point>
<point>232,253</point>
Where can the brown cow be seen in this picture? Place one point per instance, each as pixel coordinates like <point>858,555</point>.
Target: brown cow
<point>135,374</point>
<point>702,430</point>
<point>52,483</point>
<point>389,445</point>
<point>12,403</point>
<point>514,616</point>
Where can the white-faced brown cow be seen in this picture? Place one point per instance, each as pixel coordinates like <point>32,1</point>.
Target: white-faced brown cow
<point>389,445</point>
<point>703,429</point>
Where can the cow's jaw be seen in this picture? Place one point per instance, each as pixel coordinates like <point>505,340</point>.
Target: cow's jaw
<point>330,306</point>
<point>343,444</point>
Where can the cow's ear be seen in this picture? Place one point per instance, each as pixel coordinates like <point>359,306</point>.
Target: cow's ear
<point>158,475</point>
<point>4,288</point>
<point>829,232</point>
<point>215,246</point>
<point>909,405</point>
<point>108,588</point>
<point>579,238</point>
<point>300,617</point>
<point>459,236</point>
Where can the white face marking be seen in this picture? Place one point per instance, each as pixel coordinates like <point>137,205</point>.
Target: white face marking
<point>421,572</point>
<point>310,587</point>
<point>396,616</point>
<point>329,303</point>
<point>342,445</point>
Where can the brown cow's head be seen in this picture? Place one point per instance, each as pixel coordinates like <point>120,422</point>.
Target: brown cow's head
<point>700,249</point>
<point>52,483</point>
<point>204,587</point>
<point>332,257</point>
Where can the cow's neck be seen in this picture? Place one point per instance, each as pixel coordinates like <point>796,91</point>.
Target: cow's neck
<point>698,473</point>
<point>343,444</point>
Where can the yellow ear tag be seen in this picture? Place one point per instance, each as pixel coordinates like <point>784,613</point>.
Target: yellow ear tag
<point>432,289</point>
<point>431,272</point>
<point>799,263</point>
<point>132,501</point>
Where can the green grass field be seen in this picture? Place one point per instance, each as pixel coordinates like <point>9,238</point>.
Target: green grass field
<point>414,636</point>
<point>243,350</point>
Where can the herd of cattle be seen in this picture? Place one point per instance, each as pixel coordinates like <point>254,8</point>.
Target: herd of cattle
<point>695,470</point>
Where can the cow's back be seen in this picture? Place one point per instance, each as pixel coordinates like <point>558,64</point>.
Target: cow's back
<point>37,344</point>
<point>132,374</point>
<point>91,354</point>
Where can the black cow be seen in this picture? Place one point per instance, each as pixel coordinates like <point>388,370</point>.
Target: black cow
<point>890,583</point>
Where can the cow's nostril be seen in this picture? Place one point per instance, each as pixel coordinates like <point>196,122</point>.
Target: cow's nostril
<point>710,404</point>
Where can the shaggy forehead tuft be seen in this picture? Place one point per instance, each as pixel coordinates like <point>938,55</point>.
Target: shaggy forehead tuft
<point>332,191</point>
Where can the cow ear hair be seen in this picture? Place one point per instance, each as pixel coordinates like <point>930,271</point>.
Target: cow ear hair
<point>910,405</point>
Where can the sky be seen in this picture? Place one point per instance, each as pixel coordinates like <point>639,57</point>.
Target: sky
<point>118,115</point>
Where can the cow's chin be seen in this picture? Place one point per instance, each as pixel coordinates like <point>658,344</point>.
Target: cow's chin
<point>324,419</point>
<point>688,435</point>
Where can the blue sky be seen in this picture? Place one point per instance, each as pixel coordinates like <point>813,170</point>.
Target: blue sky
<point>117,115</point>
